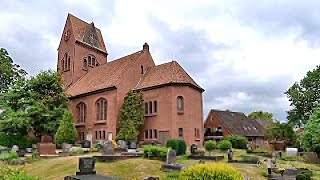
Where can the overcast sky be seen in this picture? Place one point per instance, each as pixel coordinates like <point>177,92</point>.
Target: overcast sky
<point>244,53</point>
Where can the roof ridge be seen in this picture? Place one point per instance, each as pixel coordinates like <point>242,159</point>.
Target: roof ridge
<point>73,16</point>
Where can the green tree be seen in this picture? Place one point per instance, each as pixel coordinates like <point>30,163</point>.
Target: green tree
<point>237,141</point>
<point>36,104</point>
<point>304,96</point>
<point>261,114</point>
<point>310,136</point>
<point>281,132</point>
<point>10,73</point>
<point>67,132</point>
<point>210,145</point>
<point>131,116</point>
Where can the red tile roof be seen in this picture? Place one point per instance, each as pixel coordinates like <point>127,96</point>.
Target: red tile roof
<point>166,73</point>
<point>79,28</point>
<point>103,76</point>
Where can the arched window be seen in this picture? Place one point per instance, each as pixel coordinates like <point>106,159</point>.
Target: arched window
<point>65,64</point>
<point>62,64</point>
<point>93,61</point>
<point>69,63</point>
<point>180,103</point>
<point>85,64</point>
<point>82,112</point>
<point>101,107</point>
<point>89,60</point>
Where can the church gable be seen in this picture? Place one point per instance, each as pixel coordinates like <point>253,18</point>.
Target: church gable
<point>91,36</point>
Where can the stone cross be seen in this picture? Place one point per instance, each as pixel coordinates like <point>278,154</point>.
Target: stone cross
<point>171,157</point>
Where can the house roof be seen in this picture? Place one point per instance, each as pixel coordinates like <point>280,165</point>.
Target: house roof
<point>263,122</point>
<point>238,123</point>
<point>81,29</point>
<point>167,73</point>
<point>104,76</point>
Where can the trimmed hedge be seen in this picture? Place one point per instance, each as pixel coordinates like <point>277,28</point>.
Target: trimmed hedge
<point>225,144</point>
<point>21,141</point>
<point>178,145</point>
<point>237,141</point>
<point>212,171</point>
<point>154,151</point>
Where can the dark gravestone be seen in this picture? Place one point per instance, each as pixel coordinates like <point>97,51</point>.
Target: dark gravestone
<point>86,144</point>
<point>133,145</point>
<point>230,155</point>
<point>86,166</point>
<point>193,148</point>
<point>21,152</point>
<point>171,157</point>
<point>108,148</point>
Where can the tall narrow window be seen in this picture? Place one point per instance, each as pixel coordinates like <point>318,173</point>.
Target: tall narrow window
<point>93,61</point>
<point>96,134</point>
<point>89,60</point>
<point>197,133</point>
<point>104,134</point>
<point>142,69</point>
<point>68,63</point>
<point>180,103</point>
<point>155,106</point>
<point>150,133</point>
<point>146,134</point>
<point>101,108</point>
<point>65,61</point>
<point>62,64</point>
<point>155,134</point>
<point>150,107</point>
<point>100,135</point>
<point>82,111</point>
<point>85,64</point>
<point>146,108</point>
<point>180,132</point>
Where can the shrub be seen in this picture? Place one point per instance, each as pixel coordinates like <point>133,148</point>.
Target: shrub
<point>99,145</point>
<point>172,176</point>
<point>210,145</point>
<point>237,141</point>
<point>212,171</point>
<point>303,177</point>
<point>9,156</point>
<point>178,145</point>
<point>8,140</point>
<point>225,144</point>
<point>249,150</point>
<point>154,151</point>
<point>12,173</point>
<point>67,132</point>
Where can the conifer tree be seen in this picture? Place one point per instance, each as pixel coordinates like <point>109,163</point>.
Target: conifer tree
<point>67,132</point>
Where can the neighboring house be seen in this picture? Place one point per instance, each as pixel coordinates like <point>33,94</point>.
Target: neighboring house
<point>96,87</point>
<point>220,124</point>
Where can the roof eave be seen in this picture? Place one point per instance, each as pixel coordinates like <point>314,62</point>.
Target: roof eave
<point>93,92</point>
<point>171,84</point>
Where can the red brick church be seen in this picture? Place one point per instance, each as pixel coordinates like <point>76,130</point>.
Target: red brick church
<point>97,86</point>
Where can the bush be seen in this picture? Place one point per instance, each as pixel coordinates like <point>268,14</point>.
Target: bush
<point>172,176</point>
<point>249,150</point>
<point>178,145</point>
<point>76,150</point>
<point>303,177</point>
<point>212,171</point>
<point>154,151</point>
<point>225,144</point>
<point>8,140</point>
<point>67,132</point>
<point>9,156</point>
<point>210,145</point>
<point>99,145</point>
<point>11,173</point>
<point>237,141</point>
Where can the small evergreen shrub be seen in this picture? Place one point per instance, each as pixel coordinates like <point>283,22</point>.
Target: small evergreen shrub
<point>67,132</point>
<point>212,171</point>
<point>178,145</point>
<point>225,144</point>
<point>182,147</point>
<point>154,151</point>
<point>210,145</point>
<point>237,141</point>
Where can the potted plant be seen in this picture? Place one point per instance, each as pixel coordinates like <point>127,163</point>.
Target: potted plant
<point>66,134</point>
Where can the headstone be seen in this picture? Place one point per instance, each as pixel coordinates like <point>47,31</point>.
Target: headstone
<point>291,151</point>
<point>15,148</point>
<point>86,166</point>
<point>133,145</point>
<point>171,157</point>
<point>230,155</point>
<point>21,153</point>
<point>122,144</point>
<point>86,144</point>
<point>193,148</point>
<point>66,147</point>
<point>108,148</point>
<point>273,157</point>
<point>311,157</point>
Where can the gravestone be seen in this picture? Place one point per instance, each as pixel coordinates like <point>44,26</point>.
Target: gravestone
<point>291,151</point>
<point>122,144</point>
<point>108,148</point>
<point>15,148</point>
<point>86,166</point>
<point>273,157</point>
<point>86,144</point>
<point>193,148</point>
<point>230,155</point>
<point>133,145</point>
<point>21,153</point>
<point>171,157</point>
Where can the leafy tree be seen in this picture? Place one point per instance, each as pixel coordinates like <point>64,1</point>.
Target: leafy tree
<point>310,136</point>
<point>10,73</point>
<point>281,131</point>
<point>261,114</point>
<point>36,104</point>
<point>225,144</point>
<point>237,141</point>
<point>210,145</point>
<point>131,116</point>
<point>67,132</point>
<point>304,96</point>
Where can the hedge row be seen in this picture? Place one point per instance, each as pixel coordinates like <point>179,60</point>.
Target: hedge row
<point>10,140</point>
<point>178,145</point>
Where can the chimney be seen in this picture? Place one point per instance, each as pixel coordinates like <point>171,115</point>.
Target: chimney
<point>146,46</point>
